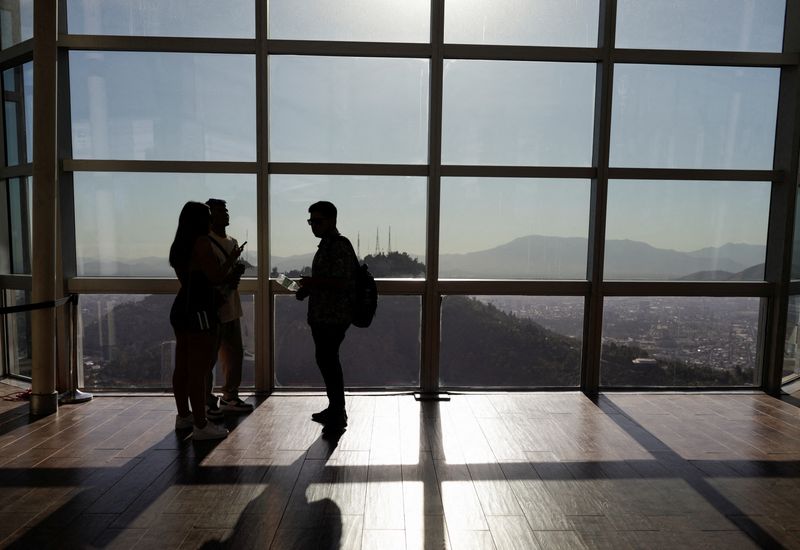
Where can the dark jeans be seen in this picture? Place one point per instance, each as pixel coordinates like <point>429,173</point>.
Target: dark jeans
<point>327,340</point>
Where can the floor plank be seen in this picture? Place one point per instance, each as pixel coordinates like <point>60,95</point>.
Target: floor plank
<point>499,470</point>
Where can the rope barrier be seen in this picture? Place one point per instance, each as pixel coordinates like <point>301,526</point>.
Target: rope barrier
<point>72,298</point>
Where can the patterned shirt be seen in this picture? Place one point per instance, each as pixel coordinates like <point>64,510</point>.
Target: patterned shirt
<point>335,259</point>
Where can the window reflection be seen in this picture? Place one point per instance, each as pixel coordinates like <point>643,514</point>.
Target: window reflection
<point>338,109</point>
<point>350,20</point>
<point>18,111</point>
<point>666,116</point>
<point>190,18</point>
<point>163,106</point>
<point>522,22</point>
<point>728,25</point>
<point>518,113</point>
<point>16,22</point>
<point>18,334</point>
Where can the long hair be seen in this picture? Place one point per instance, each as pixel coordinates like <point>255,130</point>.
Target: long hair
<point>193,223</point>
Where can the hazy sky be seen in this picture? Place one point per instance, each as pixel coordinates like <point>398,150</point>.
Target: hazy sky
<point>331,109</point>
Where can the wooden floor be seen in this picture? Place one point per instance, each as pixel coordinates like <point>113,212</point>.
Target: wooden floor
<point>534,470</point>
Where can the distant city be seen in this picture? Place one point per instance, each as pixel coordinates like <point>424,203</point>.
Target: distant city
<point>716,333</point>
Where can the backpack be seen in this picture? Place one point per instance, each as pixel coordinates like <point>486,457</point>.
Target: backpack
<point>365,300</point>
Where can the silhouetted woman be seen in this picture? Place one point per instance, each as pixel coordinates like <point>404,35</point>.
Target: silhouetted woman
<point>193,317</point>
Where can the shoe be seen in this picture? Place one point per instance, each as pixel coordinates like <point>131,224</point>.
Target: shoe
<point>335,422</point>
<point>214,413</point>
<point>320,416</point>
<point>209,431</point>
<point>184,422</point>
<point>235,405</point>
<point>327,415</point>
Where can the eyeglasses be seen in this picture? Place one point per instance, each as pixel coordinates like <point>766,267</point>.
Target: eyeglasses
<point>315,221</point>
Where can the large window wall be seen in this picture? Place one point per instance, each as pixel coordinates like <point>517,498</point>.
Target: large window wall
<point>16,194</point>
<point>552,194</point>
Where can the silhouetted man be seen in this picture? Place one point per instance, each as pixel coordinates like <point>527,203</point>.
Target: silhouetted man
<point>229,349</point>
<point>330,289</point>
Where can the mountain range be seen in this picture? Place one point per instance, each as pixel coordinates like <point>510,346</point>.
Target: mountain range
<point>533,257</point>
<point>543,257</point>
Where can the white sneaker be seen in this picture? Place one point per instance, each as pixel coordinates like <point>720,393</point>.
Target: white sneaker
<point>209,431</point>
<point>184,422</point>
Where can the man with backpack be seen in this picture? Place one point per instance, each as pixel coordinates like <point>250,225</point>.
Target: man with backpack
<point>331,290</point>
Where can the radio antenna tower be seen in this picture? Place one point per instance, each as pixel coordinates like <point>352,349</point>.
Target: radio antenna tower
<point>358,245</point>
<point>389,246</point>
<point>377,240</point>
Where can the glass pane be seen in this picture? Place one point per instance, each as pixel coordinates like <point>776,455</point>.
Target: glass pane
<point>385,355</point>
<point>127,341</point>
<point>163,106</point>
<point>16,22</point>
<point>522,22</point>
<point>383,216</point>
<point>18,334</point>
<point>693,117</point>
<point>791,350</point>
<point>337,109</point>
<point>518,113</point>
<point>511,341</point>
<point>20,195</point>
<point>680,341</point>
<point>198,18</point>
<point>689,230</point>
<point>350,20</point>
<point>729,25</point>
<point>18,109</point>
<point>125,222</point>
<point>514,228</point>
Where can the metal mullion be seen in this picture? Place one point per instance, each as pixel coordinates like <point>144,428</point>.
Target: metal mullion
<point>139,285</point>
<point>522,53</point>
<point>16,55</point>
<point>565,172</point>
<point>593,308</point>
<point>16,171</point>
<point>77,42</point>
<point>176,166</point>
<point>265,339</point>
<point>705,58</point>
<point>431,298</point>
<point>738,289</point>
<point>16,282</point>
<point>347,169</point>
<point>66,249</point>
<point>506,287</point>
<point>349,49</point>
<point>394,287</point>
<point>695,174</point>
<point>123,285</point>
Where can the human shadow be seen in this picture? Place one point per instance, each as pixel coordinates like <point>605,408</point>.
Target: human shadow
<point>298,521</point>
